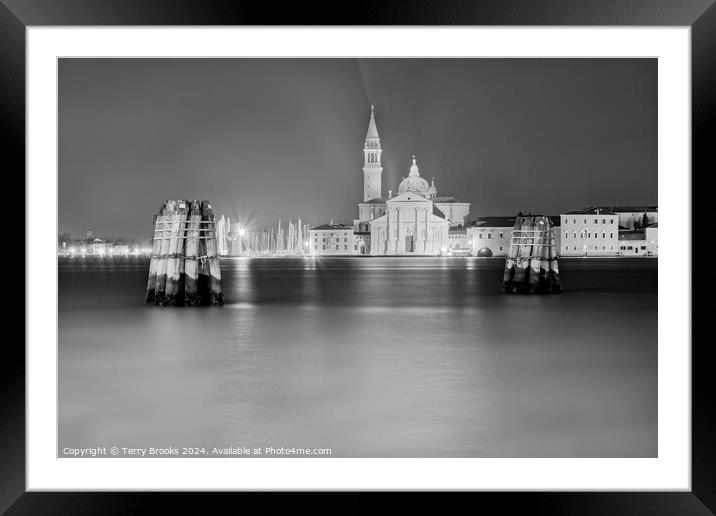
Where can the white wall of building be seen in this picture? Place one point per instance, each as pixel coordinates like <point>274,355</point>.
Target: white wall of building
<point>589,234</point>
<point>456,212</point>
<point>496,239</point>
<point>652,240</point>
<point>408,227</point>
<point>633,248</point>
<point>332,242</point>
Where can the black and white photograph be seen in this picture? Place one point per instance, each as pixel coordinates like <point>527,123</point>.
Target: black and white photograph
<point>357,257</point>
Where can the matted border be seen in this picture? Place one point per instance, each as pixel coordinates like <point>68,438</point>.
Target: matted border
<point>669,470</point>
<point>698,14</point>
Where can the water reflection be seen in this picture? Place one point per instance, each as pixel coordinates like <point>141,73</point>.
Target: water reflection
<point>384,357</point>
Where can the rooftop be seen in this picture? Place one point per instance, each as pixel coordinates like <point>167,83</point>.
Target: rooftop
<point>506,222</point>
<point>613,210</point>
<point>591,211</point>
<point>328,227</point>
<point>634,208</point>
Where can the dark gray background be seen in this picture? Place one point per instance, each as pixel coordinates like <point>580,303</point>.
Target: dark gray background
<point>281,138</point>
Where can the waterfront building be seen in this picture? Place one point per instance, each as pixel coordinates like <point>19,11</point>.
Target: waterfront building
<point>410,225</point>
<point>457,242</point>
<point>413,221</point>
<point>589,232</point>
<point>652,239</point>
<point>634,216</point>
<point>632,242</point>
<point>98,248</point>
<point>332,239</point>
<point>491,236</point>
<point>608,231</point>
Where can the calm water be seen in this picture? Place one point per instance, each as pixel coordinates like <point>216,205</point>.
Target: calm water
<point>376,357</point>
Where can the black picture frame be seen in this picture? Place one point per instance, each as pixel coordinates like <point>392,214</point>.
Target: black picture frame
<point>16,15</point>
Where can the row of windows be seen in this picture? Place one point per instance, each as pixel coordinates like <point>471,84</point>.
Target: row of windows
<point>372,158</point>
<point>315,239</point>
<point>596,221</point>
<point>630,248</point>
<point>489,235</point>
<point>588,233</point>
<point>337,247</point>
<point>596,248</point>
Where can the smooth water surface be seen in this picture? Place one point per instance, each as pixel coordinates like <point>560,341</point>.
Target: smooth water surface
<point>371,357</point>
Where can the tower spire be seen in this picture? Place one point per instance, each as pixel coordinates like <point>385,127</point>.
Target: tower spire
<point>372,168</point>
<point>372,128</point>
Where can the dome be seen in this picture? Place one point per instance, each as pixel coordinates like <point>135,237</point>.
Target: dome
<point>485,252</point>
<point>414,183</point>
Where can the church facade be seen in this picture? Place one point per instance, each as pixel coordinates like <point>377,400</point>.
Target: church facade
<point>413,221</point>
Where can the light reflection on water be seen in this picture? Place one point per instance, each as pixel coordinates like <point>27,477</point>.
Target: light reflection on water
<point>382,357</point>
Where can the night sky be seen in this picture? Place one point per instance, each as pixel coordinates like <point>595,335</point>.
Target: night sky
<point>265,139</point>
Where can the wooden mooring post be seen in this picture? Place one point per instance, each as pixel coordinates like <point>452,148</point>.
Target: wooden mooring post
<point>531,266</point>
<point>184,267</point>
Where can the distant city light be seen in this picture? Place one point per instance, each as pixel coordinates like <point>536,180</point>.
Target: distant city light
<point>242,232</point>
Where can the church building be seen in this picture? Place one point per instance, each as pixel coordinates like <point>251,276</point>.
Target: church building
<point>413,221</point>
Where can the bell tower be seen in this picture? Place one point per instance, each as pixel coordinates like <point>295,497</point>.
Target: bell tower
<point>372,169</point>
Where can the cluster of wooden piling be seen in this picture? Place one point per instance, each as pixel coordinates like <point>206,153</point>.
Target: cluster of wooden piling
<point>184,269</point>
<point>531,266</point>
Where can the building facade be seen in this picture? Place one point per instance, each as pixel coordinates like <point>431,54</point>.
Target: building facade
<point>491,236</point>
<point>589,232</point>
<point>652,239</point>
<point>609,231</point>
<point>413,221</point>
<point>332,240</point>
<point>410,226</point>
<point>632,242</point>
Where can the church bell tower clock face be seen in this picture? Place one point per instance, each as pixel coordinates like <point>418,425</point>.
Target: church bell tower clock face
<point>372,168</point>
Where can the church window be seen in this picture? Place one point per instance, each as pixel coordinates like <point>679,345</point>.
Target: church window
<point>574,234</point>
<point>596,221</point>
<point>604,221</point>
<point>604,235</point>
<point>479,236</point>
<point>501,235</point>
<point>489,235</point>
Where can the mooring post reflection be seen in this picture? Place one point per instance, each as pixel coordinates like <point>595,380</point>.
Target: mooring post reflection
<point>372,357</point>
